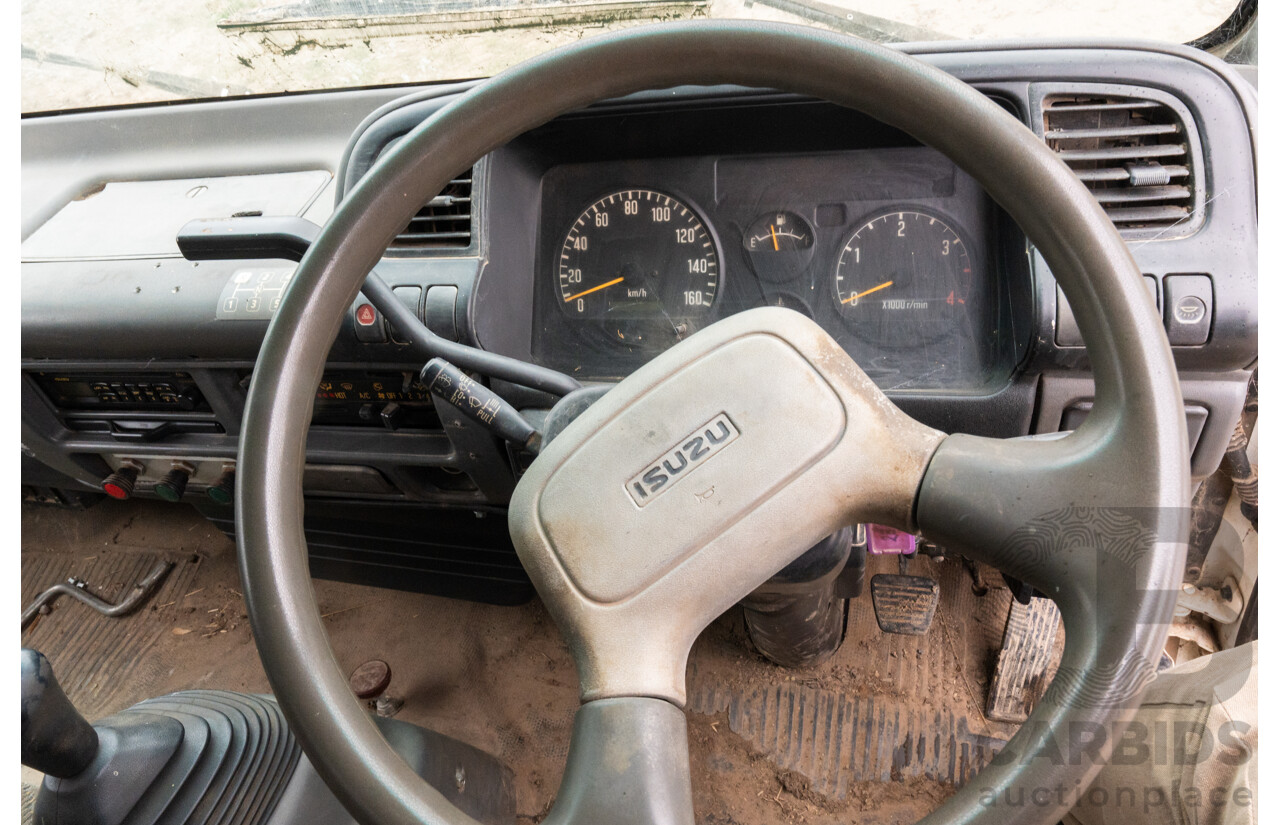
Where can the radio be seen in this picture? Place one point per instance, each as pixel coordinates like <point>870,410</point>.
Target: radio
<point>122,391</point>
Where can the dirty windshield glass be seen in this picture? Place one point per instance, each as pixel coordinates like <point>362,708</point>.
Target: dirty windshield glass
<point>76,54</point>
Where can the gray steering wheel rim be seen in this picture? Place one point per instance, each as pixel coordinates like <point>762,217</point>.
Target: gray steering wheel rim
<point>1134,413</point>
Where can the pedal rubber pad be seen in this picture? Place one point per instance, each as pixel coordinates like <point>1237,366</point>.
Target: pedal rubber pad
<point>904,604</point>
<point>1019,680</point>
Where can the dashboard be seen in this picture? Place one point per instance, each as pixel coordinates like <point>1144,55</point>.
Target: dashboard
<point>589,245</point>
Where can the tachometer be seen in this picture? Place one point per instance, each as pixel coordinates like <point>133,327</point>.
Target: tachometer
<point>642,265</point>
<point>903,279</point>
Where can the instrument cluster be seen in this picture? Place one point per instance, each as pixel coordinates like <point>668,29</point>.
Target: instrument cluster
<point>887,249</point>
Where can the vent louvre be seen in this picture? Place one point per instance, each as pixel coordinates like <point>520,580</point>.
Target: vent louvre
<point>444,222</point>
<point>1133,154</point>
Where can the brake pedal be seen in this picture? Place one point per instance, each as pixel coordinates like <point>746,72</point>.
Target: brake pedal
<point>904,604</point>
<point>1025,655</point>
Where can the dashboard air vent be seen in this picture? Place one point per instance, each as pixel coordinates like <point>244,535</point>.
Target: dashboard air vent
<point>444,222</point>
<point>1130,152</point>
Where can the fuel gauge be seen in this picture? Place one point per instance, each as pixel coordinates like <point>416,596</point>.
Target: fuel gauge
<point>779,245</point>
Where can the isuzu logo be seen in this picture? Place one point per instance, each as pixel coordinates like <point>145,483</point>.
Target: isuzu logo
<point>694,449</point>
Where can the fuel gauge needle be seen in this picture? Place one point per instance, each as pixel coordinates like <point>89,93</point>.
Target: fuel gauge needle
<point>593,289</point>
<point>855,296</point>
<point>773,235</point>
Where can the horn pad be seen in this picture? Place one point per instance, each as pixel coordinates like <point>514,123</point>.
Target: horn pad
<point>697,478</point>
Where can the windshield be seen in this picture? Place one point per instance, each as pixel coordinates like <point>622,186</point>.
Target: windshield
<point>77,55</point>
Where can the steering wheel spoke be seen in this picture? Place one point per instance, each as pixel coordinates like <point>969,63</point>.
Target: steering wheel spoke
<point>628,765</point>
<point>1055,512</point>
<point>980,492</point>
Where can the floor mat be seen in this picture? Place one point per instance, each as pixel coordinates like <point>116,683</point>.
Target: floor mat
<point>881,732</point>
<point>29,802</point>
<point>839,740</point>
<point>888,710</point>
<point>91,652</point>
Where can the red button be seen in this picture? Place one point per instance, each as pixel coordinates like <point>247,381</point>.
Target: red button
<point>366,315</point>
<point>115,491</point>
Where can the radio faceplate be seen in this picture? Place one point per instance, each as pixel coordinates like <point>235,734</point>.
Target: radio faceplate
<point>122,391</point>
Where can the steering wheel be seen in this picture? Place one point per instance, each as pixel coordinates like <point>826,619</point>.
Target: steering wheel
<point>784,438</point>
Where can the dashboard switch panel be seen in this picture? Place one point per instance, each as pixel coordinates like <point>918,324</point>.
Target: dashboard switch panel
<point>368,322</point>
<point>442,303</point>
<point>395,400</point>
<point>1068,331</point>
<point>410,296</point>
<point>1188,309</point>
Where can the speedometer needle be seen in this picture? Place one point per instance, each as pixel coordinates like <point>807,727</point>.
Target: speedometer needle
<point>593,289</point>
<point>855,296</point>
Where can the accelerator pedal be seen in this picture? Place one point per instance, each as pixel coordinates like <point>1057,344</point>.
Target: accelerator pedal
<point>1022,667</point>
<point>904,604</point>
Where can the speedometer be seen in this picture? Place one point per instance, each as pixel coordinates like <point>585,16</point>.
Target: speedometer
<point>641,266</point>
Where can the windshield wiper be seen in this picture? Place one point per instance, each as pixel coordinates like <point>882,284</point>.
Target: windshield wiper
<point>188,87</point>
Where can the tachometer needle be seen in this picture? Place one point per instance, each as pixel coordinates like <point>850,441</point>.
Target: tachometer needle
<point>773,235</point>
<point>855,296</point>
<point>593,289</point>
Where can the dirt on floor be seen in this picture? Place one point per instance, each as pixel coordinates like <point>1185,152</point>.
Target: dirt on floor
<point>842,740</point>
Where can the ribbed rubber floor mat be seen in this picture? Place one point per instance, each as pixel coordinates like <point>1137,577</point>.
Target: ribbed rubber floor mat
<point>835,739</point>
<point>29,793</point>
<point>99,660</point>
<point>888,708</point>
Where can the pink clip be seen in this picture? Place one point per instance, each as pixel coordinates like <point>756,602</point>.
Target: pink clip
<point>885,541</point>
